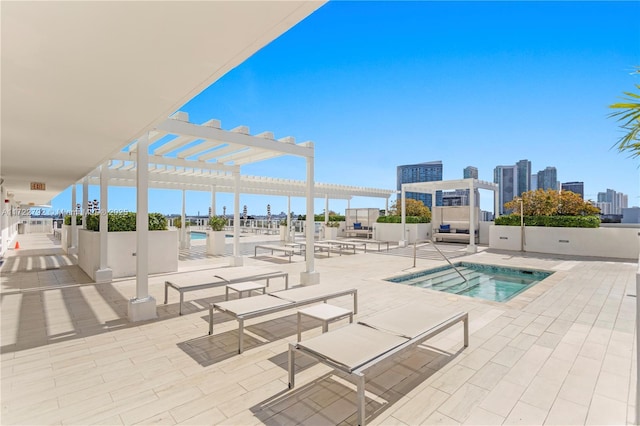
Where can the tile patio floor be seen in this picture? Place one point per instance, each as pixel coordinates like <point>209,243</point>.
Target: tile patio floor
<point>560,353</point>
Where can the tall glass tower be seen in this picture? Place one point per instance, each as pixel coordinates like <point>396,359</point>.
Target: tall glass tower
<point>470,172</point>
<point>548,179</point>
<point>422,172</point>
<point>523,168</point>
<point>507,179</point>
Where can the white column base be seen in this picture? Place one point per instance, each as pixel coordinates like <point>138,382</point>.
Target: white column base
<point>104,275</point>
<point>142,309</point>
<point>309,278</point>
<point>472,248</point>
<point>236,261</point>
<point>72,250</point>
<point>402,243</point>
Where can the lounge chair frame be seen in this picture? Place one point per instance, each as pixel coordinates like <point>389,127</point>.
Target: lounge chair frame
<point>182,289</point>
<point>357,375</point>
<point>219,307</point>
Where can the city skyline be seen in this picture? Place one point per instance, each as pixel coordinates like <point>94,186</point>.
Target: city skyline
<point>379,84</point>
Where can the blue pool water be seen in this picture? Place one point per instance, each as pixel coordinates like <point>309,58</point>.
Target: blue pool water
<point>197,235</point>
<point>489,282</point>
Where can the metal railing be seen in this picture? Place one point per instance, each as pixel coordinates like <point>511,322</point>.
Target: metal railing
<point>415,251</point>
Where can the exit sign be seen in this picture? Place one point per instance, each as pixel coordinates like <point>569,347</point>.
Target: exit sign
<point>38,186</point>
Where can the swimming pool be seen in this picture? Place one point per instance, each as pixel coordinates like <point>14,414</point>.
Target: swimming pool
<point>489,282</point>
<point>198,235</point>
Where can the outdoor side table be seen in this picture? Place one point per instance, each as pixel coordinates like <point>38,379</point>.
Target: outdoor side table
<point>247,286</point>
<point>325,313</point>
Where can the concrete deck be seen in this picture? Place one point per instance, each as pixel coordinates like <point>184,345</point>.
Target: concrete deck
<point>561,352</point>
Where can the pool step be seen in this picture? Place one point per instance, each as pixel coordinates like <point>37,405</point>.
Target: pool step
<point>443,279</point>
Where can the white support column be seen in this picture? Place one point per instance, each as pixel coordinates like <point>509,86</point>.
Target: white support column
<point>348,203</point>
<point>386,206</point>
<point>310,276</point>
<point>472,248</point>
<point>213,200</point>
<point>403,215</point>
<point>74,227</point>
<point>4,222</point>
<point>326,208</point>
<point>184,244</point>
<point>496,203</point>
<point>85,200</point>
<point>236,259</point>
<point>143,306</point>
<point>104,274</point>
<point>638,340</point>
<point>289,220</point>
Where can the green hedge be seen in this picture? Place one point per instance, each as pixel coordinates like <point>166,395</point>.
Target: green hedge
<point>67,219</point>
<point>320,218</point>
<point>551,221</point>
<point>120,222</point>
<point>408,219</point>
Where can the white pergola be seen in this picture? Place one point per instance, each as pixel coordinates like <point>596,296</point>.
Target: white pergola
<point>450,185</point>
<point>178,154</point>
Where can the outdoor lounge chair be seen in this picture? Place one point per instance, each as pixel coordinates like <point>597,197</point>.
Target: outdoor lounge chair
<point>225,276</point>
<point>357,347</point>
<point>252,307</point>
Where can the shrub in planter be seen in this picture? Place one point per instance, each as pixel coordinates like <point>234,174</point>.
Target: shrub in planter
<point>332,224</point>
<point>121,222</point>
<point>550,221</point>
<point>67,219</point>
<point>408,219</point>
<point>217,223</point>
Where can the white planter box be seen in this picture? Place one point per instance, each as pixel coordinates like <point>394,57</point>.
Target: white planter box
<point>330,233</point>
<point>163,252</point>
<point>216,242</point>
<point>393,231</point>
<point>283,233</point>
<point>621,243</point>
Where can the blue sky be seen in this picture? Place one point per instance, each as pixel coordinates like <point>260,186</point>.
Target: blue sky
<point>380,84</point>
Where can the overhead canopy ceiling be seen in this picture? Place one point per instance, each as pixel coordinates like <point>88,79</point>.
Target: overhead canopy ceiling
<point>81,80</point>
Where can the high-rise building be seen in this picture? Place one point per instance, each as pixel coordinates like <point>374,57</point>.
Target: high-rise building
<point>534,182</point>
<point>507,179</point>
<point>618,200</point>
<point>422,172</point>
<point>575,187</point>
<point>548,179</point>
<point>470,172</point>
<point>523,168</point>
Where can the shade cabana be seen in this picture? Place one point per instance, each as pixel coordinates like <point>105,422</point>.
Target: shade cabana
<point>449,185</point>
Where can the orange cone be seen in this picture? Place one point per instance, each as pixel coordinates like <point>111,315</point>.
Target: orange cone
<point>17,245</point>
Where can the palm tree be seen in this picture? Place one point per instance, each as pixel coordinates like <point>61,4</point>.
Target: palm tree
<point>628,113</point>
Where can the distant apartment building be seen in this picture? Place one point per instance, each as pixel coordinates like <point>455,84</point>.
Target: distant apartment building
<point>548,179</point>
<point>422,172</point>
<point>470,172</point>
<point>631,215</point>
<point>534,182</point>
<point>617,200</point>
<point>486,216</point>
<point>605,207</point>
<point>507,179</point>
<point>575,187</point>
<point>523,168</point>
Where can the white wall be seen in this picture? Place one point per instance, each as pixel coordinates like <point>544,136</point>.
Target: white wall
<point>65,236</point>
<point>393,231</point>
<point>163,252</point>
<point>621,243</point>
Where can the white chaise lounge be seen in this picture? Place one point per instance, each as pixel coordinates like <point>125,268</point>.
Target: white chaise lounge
<point>355,348</point>
<point>256,306</point>
<point>225,276</point>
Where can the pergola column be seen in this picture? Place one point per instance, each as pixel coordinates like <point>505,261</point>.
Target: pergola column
<point>85,200</point>
<point>496,203</point>
<point>289,220</point>
<point>213,200</point>
<point>403,215</point>
<point>184,244</point>
<point>4,221</point>
<point>310,276</point>
<point>143,306</point>
<point>326,208</point>
<point>74,227</point>
<point>236,259</point>
<point>471,248</point>
<point>104,274</point>
<point>386,206</point>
